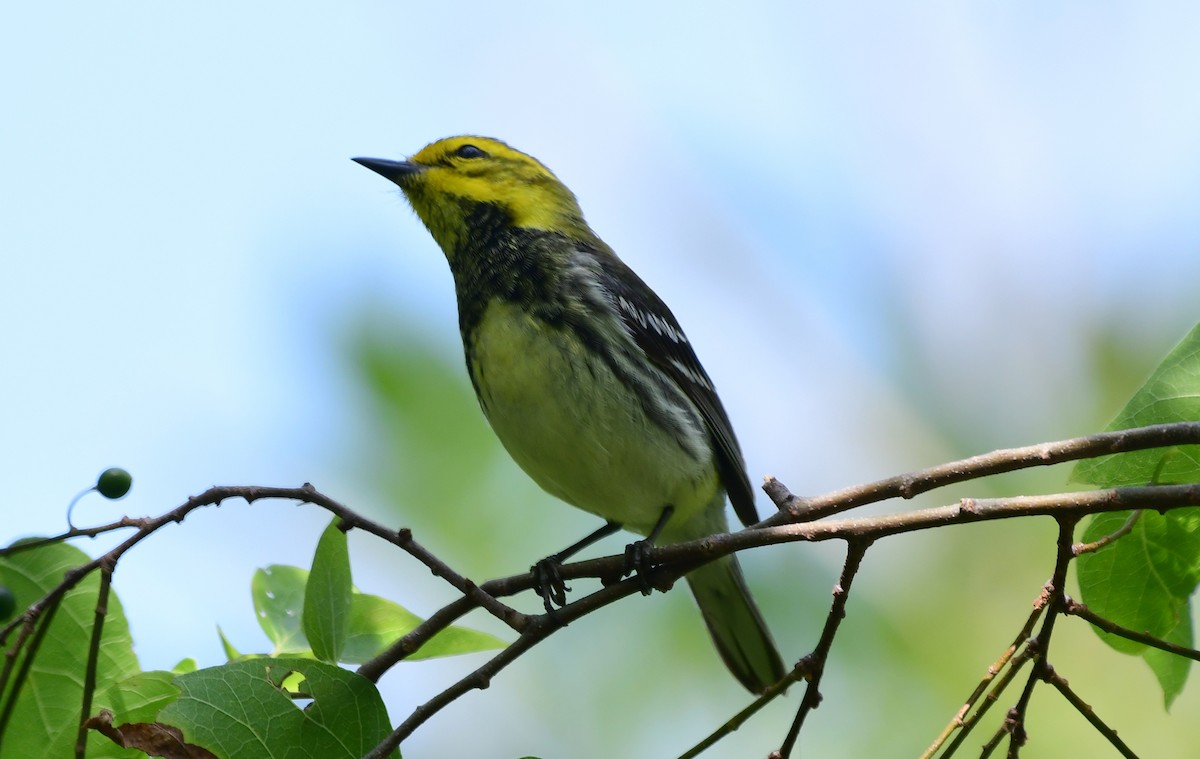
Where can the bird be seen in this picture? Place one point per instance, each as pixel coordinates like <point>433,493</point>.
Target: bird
<point>585,375</point>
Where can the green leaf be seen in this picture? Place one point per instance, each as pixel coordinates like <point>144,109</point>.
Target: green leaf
<point>241,711</point>
<point>1145,579</point>
<point>1138,581</point>
<point>1170,669</point>
<point>188,664</point>
<point>327,595</point>
<point>231,653</point>
<point>46,714</point>
<point>376,623</point>
<point>140,697</point>
<point>278,594</point>
<point>1172,394</point>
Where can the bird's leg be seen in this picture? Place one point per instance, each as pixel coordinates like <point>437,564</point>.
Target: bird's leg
<point>547,573</point>
<point>637,558</point>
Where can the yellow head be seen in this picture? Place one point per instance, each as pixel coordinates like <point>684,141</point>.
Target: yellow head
<point>457,184</point>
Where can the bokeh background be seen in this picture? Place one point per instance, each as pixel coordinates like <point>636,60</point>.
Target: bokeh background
<point>897,233</point>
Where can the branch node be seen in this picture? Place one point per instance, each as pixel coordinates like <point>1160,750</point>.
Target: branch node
<point>778,493</point>
<point>1082,548</point>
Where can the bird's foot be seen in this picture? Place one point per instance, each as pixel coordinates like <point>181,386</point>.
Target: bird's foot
<point>637,563</point>
<point>549,583</point>
<point>637,553</point>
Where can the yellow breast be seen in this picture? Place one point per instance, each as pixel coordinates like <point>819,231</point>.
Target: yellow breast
<point>572,424</point>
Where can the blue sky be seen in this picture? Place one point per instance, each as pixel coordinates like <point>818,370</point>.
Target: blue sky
<point>856,211</point>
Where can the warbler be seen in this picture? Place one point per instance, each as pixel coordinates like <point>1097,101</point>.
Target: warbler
<point>584,373</point>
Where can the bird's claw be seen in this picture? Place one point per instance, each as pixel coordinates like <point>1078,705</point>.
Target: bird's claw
<point>637,563</point>
<point>549,583</point>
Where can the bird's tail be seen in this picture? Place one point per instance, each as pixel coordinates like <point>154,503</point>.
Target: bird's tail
<point>736,626</point>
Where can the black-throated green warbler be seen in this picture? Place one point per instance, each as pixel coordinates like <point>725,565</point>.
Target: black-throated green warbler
<point>583,372</point>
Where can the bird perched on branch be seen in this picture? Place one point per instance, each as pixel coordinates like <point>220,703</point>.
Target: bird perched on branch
<point>584,374</point>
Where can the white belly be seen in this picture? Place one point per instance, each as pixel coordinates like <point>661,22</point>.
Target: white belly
<point>567,421</point>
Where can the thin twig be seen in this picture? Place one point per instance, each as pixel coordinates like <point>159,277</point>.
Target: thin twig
<point>1022,657</point>
<point>29,624</point>
<point>77,532</point>
<point>506,614</point>
<point>479,679</point>
<point>995,669</point>
<point>147,528</point>
<point>1084,708</point>
<point>815,666</point>
<point>1096,545</point>
<point>997,736</point>
<point>400,538</point>
<point>407,644</point>
<point>660,577</point>
<point>1077,609</point>
<point>801,670</point>
<point>34,642</point>
<point>1064,556</point>
<point>93,657</point>
<point>539,628</point>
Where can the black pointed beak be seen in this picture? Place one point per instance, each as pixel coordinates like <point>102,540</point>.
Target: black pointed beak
<point>396,171</point>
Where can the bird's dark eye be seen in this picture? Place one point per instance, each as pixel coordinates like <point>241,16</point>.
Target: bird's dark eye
<point>470,151</point>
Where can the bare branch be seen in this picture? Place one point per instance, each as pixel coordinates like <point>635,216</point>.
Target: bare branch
<point>798,520</point>
<point>795,508</point>
<point>674,561</point>
<point>968,510</point>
